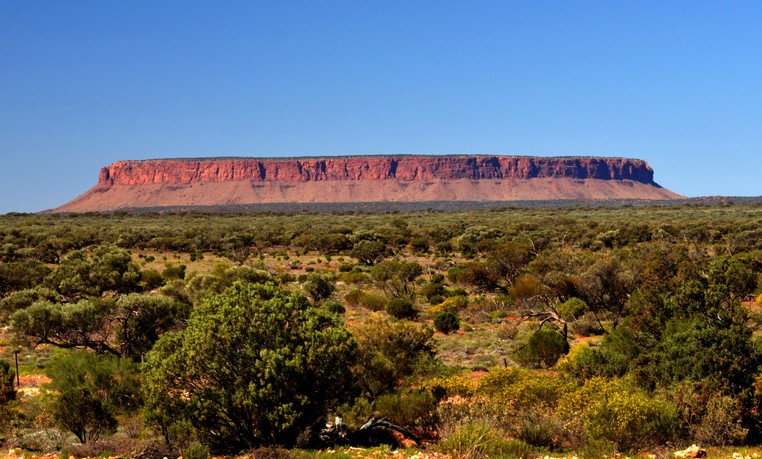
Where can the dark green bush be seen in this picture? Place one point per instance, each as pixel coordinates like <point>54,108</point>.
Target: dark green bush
<point>543,349</point>
<point>272,368</point>
<point>334,307</point>
<point>400,308</point>
<point>446,322</point>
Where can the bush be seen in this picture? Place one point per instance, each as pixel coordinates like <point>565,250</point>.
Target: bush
<point>617,411</point>
<point>388,351</point>
<point>84,414</point>
<point>334,307</point>
<point>410,410</point>
<point>446,322</point>
<point>452,304</point>
<point>400,308</point>
<point>272,367</point>
<point>590,362</point>
<point>196,451</point>
<point>475,440</point>
<point>319,285</point>
<point>572,309</point>
<point>721,423</point>
<point>369,300</point>
<point>543,349</point>
<point>151,279</point>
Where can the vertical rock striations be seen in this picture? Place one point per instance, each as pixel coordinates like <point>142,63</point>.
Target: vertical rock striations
<point>401,178</point>
<point>359,168</point>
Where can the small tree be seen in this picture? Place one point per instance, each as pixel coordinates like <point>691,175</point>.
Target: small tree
<point>84,414</point>
<point>255,366</point>
<point>92,391</point>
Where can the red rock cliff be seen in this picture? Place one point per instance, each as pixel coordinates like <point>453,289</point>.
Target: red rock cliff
<point>363,168</point>
<point>360,179</point>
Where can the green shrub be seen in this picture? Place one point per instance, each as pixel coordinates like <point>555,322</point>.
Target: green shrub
<point>541,428</point>
<point>272,368</point>
<point>400,308</point>
<point>388,351</point>
<point>196,451</point>
<point>151,279</point>
<point>80,411</point>
<point>334,307</point>
<point>474,440</point>
<point>352,277</point>
<point>543,349</point>
<point>410,410</point>
<point>572,309</point>
<point>590,362</point>
<point>446,322</point>
<point>452,304</point>
<point>373,301</point>
<point>619,412</point>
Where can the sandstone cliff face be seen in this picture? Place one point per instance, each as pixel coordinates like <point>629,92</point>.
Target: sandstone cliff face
<point>407,168</point>
<point>358,179</point>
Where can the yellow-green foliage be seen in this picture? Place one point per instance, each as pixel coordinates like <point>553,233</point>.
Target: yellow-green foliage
<point>514,391</point>
<point>573,355</point>
<point>451,386</point>
<point>617,411</point>
<point>451,304</point>
<point>476,440</point>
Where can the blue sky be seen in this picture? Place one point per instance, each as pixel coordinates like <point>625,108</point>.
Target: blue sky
<point>87,83</point>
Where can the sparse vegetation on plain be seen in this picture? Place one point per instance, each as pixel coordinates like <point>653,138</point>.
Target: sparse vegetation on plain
<point>482,333</point>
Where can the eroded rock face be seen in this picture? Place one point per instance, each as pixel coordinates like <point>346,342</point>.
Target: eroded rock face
<point>361,179</point>
<point>407,168</point>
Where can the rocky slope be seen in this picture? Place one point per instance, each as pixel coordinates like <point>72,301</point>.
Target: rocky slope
<point>225,181</point>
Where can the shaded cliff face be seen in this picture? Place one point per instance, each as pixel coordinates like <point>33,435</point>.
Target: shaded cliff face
<point>234,181</point>
<point>406,168</point>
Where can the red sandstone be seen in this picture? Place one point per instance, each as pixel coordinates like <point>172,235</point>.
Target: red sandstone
<point>222,181</point>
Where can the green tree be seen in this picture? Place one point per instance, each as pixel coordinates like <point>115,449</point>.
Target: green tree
<point>255,366</point>
<point>397,278</point>
<point>92,390</point>
<point>84,324</point>
<point>368,252</point>
<point>84,414</point>
<point>142,319</point>
<point>109,269</point>
<point>389,351</point>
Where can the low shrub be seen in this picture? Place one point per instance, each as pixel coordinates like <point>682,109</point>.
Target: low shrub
<point>373,301</point>
<point>474,440</point>
<point>400,308</point>
<point>616,411</point>
<point>589,362</point>
<point>543,349</point>
<point>334,307</point>
<point>446,322</point>
<point>572,309</point>
<point>369,300</point>
<point>451,304</point>
<point>411,410</point>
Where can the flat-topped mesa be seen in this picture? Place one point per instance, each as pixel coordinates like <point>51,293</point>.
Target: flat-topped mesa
<point>220,182</point>
<point>363,168</point>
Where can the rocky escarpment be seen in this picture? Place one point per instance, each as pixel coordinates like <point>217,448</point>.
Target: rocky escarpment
<point>408,168</point>
<point>225,181</point>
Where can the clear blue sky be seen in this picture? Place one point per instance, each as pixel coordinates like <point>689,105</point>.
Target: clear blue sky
<point>87,83</point>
